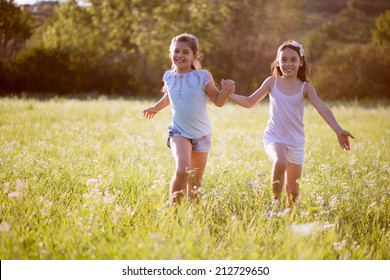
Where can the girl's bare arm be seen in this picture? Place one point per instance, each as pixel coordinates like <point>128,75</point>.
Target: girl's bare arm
<point>328,116</point>
<point>219,97</point>
<point>150,112</point>
<point>256,97</point>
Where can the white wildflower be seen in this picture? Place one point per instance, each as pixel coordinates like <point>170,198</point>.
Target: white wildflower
<point>15,194</point>
<point>114,219</point>
<point>372,204</point>
<point>95,194</point>
<point>19,185</point>
<point>5,226</point>
<point>108,199</point>
<point>310,228</point>
<point>339,245</point>
<point>6,187</point>
<point>284,212</point>
<point>118,208</point>
<point>333,202</point>
<point>92,181</point>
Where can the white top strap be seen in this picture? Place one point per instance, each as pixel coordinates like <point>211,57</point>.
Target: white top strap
<point>304,83</point>
<point>276,78</point>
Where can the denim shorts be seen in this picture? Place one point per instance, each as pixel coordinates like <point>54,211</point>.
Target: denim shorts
<point>199,145</point>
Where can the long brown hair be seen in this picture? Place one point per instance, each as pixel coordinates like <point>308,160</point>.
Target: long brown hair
<point>192,42</point>
<point>275,69</point>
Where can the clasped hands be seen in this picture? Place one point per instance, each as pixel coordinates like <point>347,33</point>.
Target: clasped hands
<point>228,87</point>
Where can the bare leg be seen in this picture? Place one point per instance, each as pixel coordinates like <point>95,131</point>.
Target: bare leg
<point>198,165</point>
<point>294,172</point>
<point>181,151</point>
<point>278,154</point>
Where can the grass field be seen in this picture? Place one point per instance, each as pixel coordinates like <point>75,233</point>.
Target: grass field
<point>89,180</point>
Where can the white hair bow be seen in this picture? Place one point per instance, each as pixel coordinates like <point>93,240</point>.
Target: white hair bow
<point>298,45</point>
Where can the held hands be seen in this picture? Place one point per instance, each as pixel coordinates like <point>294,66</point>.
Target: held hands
<point>344,140</point>
<point>150,112</point>
<point>228,87</point>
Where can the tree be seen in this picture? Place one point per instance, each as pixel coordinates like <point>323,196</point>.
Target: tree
<point>353,71</point>
<point>127,41</point>
<point>321,38</point>
<point>247,43</point>
<point>15,28</point>
<point>70,30</point>
<point>381,32</point>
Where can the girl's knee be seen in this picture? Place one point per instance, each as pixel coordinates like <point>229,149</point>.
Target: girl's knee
<point>280,164</point>
<point>181,172</point>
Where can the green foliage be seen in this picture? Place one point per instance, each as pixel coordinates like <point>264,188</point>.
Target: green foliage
<point>129,40</point>
<point>355,25</point>
<point>90,179</point>
<point>328,7</point>
<point>381,33</point>
<point>70,30</point>
<point>15,28</point>
<point>244,49</point>
<point>42,70</point>
<point>352,24</point>
<point>373,7</point>
<point>121,47</point>
<point>320,39</point>
<point>353,71</point>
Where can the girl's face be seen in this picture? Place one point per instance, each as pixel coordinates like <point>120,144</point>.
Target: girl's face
<point>289,62</point>
<point>182,57</point>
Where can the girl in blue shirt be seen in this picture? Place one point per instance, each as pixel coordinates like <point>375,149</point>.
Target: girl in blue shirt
<point>186,89</point>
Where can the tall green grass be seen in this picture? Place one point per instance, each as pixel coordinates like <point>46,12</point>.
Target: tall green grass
<point>89,180</point>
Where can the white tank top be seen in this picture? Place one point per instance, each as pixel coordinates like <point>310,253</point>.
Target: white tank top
<point>285,124</point>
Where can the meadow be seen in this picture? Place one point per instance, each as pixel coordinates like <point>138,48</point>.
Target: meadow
<point>88,179</point>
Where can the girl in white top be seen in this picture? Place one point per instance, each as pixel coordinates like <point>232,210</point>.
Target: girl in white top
<point>186,89</point>
<point>284,136</point>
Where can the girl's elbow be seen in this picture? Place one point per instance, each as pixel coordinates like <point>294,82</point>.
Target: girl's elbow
<point>220,103</point>
<point>248,105</point>
<point>243,104</point>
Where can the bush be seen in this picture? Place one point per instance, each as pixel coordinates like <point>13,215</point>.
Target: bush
<point>53,71</point>
<point>353,72</point>
<point>381,32</point>
<point>38,70</point>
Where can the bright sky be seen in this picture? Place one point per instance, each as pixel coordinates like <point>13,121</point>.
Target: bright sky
<point>23,2</point>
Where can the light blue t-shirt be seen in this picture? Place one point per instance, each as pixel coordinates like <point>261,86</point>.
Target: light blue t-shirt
<point>188,99</point>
